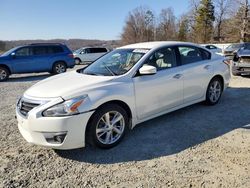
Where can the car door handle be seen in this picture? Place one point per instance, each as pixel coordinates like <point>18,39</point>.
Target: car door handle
<point>177,76</point>
<point>207,67</point>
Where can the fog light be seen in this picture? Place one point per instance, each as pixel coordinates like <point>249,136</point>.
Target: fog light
<point>59,138</point>
<point>55,138</point>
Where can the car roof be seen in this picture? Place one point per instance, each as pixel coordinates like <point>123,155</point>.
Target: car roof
<point>157,44</point>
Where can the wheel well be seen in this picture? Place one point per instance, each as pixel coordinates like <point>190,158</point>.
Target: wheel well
<point>78,58</point>
<point>5,66</point>
<point>121,104</point>
<point>221,79</point>
<point>60,62</point>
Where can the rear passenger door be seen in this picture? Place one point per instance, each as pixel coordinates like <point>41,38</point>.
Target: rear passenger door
<point>197,71</point>
<point>41,58</point>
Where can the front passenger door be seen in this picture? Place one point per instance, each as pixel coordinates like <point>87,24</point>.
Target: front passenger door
<point>22,60</point>
<point>163,90</point>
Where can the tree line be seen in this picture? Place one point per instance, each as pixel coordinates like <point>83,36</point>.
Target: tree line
<point>206,21</point>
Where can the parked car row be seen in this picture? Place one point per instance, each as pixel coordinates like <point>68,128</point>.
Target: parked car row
<point>45,57</point>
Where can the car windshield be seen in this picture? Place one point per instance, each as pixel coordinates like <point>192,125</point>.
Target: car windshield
<point>117,62</point>
<point>78,51</point>
<point>247,46</point>
<point>8,52</point>
<point>234,46</point>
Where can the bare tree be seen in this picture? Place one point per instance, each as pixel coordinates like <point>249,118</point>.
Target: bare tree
<point>166,29</point>
<point>139,26</point>
<point>222,10</point>
<point>245,27</point>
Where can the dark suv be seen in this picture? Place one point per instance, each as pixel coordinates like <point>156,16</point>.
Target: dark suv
<point>40,57</point>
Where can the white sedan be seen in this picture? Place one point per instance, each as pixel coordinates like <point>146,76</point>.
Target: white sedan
<point>127,86</point>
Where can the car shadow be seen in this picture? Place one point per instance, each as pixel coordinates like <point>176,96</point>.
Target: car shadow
<point>29,78</point>
<point>174,132</point>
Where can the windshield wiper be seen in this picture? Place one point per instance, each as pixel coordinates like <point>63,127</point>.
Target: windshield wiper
<point>112,72</point>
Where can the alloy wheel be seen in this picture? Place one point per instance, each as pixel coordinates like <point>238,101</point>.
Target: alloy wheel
<point>60,68</point>
<point>215,91</point>
<point>110,127</point>
<point>3,74</point>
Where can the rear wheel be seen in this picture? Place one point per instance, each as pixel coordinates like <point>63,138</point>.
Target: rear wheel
<point>77,61</point>
<point>214,91</point>
<point>107,126</point>
<point>4,74</point>
<point>59,67</point>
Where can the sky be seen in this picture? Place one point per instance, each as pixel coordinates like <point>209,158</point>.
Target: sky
<point>67,19</point>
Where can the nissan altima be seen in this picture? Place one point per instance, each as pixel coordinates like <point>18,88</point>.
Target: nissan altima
<point>98,104</point>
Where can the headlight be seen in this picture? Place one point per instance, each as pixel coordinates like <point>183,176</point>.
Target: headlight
<point>67,108</point>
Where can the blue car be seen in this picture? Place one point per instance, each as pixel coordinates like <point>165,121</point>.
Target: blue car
<point>50,57</point>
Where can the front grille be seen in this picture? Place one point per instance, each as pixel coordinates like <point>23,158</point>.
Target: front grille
<point>24,106</point>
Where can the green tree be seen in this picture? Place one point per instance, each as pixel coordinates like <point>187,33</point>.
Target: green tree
<point>183,29</point>
<point>204,21</point>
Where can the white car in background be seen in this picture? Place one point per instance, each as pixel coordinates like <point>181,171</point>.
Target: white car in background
<point>212,48</point>
<point>99,103</point>
<point>88,55</point>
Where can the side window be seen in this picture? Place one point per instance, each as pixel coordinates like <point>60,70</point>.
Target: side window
<point>23,51</point>
<point>55,49</point>
<point>100,50</point>
<point>163,59</point>
<point>85,51</point>
<point>205,54</point>
<point>39,50</point>
<point>213,47</point>
<point>190,54</point>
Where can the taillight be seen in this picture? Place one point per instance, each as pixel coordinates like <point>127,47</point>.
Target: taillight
<point>71,55</point>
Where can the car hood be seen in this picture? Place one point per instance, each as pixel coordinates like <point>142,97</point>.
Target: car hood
<point>66,84</point>
<point>244,53</point>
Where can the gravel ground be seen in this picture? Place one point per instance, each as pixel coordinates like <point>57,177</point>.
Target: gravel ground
<point>199,146</point>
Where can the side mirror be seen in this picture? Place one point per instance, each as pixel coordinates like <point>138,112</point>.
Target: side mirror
<point>13,55</point>
<point>147,70</point>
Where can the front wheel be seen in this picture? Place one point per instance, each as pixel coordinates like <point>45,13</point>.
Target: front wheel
<point>107,126</point>
<point>214,91</point>
<point>4,74</point>
<point>59,67</point>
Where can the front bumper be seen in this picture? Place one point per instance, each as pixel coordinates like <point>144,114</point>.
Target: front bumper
<point>42,130</point>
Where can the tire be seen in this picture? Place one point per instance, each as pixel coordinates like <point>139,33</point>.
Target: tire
<point>4,74</point>
<point>214,91</point>
<point>100,131</point>
<point>77,61</point>
<point>59,67</point>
